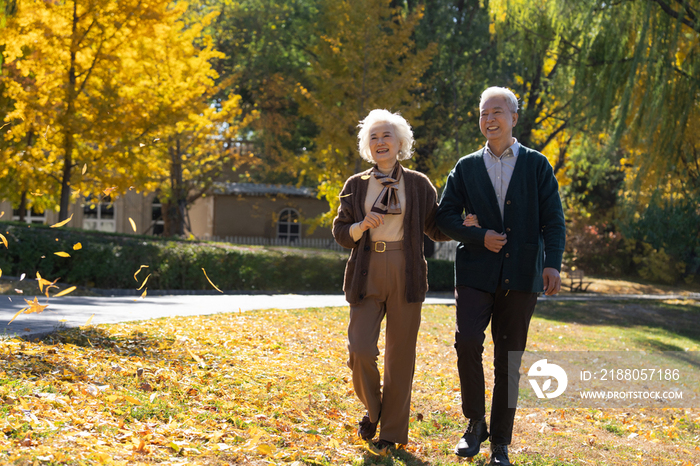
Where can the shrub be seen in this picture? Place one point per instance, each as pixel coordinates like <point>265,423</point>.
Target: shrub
<point>109,261</point>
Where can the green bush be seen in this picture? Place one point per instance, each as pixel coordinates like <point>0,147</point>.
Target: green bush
<point>109,261</point>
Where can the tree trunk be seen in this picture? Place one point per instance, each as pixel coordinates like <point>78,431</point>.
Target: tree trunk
<point>175,202</point>
<point>68,141</point>
<point>23,206</point>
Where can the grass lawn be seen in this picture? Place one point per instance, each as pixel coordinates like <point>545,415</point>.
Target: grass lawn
<point>272,387</point>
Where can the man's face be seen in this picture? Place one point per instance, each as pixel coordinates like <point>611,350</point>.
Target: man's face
<point>497,121</point>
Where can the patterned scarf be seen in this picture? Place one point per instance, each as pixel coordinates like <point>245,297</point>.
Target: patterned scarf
<point>388,200</point>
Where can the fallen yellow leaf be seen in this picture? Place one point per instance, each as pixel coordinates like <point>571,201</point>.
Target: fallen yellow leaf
<point>77,246</point>
<point>65,292</point>
<point>210,282</point>
<point>62,254</point>
<point>60,224</point>
<point>132,400</point>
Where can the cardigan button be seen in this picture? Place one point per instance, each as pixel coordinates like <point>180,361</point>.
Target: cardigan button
<point>507,281</point>
<point>364,273</point>
<point>507,254</point>
<point>508,202</point>
<point>366,248</point>
<point>508,230</point>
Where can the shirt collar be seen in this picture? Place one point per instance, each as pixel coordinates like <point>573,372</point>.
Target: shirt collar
<point>512,151</point>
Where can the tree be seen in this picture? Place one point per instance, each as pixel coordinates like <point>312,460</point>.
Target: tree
<point>363,58</point>
<point>149,121</point>
<point>62,60</point>
<point>265,43</point>
<point>462,67</point>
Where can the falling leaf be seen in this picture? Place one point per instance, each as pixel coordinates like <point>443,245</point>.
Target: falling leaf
<point>142,144</point>
<point>62,254</point>
<point>60,224</point>
<point>143,295</point>
<point>18,313</point>
<point>209,280</point>
<point>34,306</point>
<point>133,225</point>
<point>89,320</point>
<point>4,240</point>
<point>65,292</point>
<point>156,140</point>
<point>37,194</point>
<point>365,177</point>
<point>2,213</point>
<point>108,191</point>
<point>42,282</point>
<point>19,291</point>
<point>84,169</point>
<point>21,277</point>
<point>77,246</point>
<point>144,282</point>
<point>137,272</point>
<point>345,195</point>
<point>0,272</point>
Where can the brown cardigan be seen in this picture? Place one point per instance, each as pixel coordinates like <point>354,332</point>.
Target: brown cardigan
<point>421,205</point>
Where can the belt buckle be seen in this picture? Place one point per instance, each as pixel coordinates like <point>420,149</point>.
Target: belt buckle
<point>377,244</point>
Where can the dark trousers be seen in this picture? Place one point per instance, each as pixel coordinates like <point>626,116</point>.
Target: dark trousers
<point>510,313</point>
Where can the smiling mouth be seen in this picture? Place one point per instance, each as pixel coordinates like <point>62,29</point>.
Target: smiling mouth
<point>382,151</point>
<point>492,128</point>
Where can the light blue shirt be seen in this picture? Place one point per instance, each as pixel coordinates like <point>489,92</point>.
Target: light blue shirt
<point>500,170</point>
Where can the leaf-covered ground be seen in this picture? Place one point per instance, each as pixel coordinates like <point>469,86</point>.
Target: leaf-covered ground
<point>272,387</point>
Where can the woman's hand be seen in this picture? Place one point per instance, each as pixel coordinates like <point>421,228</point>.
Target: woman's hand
<point>471,221</point>
<point>371,220</point>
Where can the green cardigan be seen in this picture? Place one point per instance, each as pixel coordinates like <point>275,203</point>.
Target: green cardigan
<point>533,222</point>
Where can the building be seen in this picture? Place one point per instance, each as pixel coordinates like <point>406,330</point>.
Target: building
<point>247,213</point>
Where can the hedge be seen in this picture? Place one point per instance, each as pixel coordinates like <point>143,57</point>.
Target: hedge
<point>109,261</point>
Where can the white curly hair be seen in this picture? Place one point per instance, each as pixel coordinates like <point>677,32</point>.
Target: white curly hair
<point>401,127</point>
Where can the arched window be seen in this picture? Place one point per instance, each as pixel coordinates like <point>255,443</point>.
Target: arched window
<point>288,225</point>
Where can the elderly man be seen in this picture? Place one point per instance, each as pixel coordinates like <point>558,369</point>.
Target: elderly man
<point>509,253</point>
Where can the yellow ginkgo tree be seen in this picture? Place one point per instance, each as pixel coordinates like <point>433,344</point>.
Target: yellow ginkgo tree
<point>123,88</point>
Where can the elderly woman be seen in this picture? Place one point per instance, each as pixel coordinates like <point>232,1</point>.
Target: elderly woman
<point>382,217</point>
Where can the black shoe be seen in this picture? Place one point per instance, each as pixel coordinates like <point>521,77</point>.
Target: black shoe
<point>368,429</point>
<point>499,455</point>
<point>384,444</point>
<point>470,442</point>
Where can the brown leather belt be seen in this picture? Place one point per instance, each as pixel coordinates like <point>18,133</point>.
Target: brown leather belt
<point>382,246</point>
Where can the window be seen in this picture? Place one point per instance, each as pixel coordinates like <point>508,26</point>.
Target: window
<point>288,225</point>
<point>157,217</point>
<point>98,214</point>
<point>32,215</point>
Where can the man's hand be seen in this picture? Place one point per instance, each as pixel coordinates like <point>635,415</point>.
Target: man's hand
<point>372,220</point>
<point>552,281</point>
<point>494,241</point>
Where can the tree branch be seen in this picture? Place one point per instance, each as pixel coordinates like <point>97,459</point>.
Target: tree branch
<point>677,15</point>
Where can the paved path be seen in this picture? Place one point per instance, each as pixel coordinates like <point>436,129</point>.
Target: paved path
<point>75,311</point>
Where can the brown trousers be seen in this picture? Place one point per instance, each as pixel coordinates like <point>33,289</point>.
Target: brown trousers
<point>386,296</point>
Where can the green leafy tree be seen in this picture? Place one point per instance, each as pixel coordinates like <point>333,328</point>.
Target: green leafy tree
<point>364,57</point>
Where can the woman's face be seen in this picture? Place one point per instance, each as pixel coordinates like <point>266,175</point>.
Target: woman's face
<point>383,144</point>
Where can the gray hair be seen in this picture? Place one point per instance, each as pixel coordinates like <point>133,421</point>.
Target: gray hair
<point>504,92</point>
<point>400,125</point>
